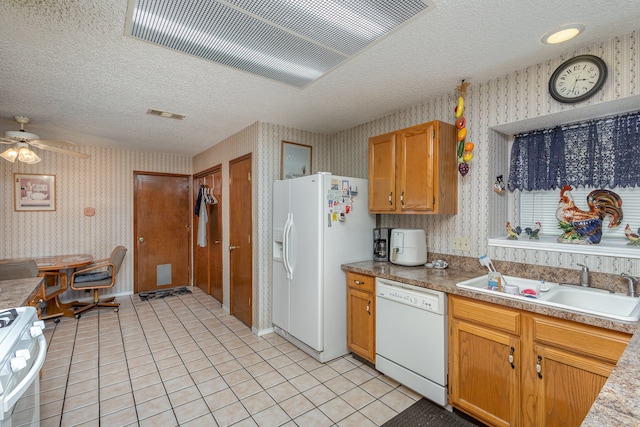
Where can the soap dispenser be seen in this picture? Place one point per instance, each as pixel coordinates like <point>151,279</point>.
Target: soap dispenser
<point>584,276</point>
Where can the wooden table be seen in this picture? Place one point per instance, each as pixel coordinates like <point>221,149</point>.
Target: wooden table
<point>64,266</point>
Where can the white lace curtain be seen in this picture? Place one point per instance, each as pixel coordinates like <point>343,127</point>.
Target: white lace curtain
<point>600,153</point>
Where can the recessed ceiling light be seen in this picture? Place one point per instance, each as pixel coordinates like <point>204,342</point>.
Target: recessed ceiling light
<point>562,34</point>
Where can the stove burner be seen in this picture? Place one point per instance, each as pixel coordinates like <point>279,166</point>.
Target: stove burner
<point>7,317</point>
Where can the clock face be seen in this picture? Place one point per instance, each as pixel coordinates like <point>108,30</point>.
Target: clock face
<point>578,78</point>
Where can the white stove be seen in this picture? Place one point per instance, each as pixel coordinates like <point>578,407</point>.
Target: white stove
<point>22,352</point>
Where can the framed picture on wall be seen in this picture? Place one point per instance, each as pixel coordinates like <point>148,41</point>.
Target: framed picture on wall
<point>295,160</point>
<point>34,192</point>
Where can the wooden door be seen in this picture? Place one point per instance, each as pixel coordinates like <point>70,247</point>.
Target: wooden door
<point>416,174</point>
<point>482,380</point>
<point>568,384</point>
<point>207,271</point>
<point>382,175</point>
<point>162,214</point>
<point>240,239</point>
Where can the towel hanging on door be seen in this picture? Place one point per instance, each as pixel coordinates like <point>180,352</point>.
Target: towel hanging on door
<point>196,208</point>
<point>202,221</point>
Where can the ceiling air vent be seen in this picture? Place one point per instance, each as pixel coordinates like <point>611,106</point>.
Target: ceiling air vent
<point>165,114</point>
<point>294,42</point>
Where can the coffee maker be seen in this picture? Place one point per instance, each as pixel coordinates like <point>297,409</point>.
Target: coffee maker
<point>381,238</point>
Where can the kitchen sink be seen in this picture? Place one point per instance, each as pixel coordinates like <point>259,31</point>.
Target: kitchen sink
<point>595,302</point>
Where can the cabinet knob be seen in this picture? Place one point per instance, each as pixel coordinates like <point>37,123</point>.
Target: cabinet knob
<point>368,309</point>
<point>402,198</point>
<point>358,282</point>
<point>390,198</point>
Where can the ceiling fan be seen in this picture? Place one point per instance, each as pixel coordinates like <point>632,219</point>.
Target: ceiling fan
<point>23,140</point>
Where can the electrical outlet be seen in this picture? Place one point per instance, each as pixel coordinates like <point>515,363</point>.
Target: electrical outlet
<point>462,244</point>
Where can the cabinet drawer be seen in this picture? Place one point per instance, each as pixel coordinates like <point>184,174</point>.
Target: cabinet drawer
<point>586,339</point>
<point>361,281</point>
<point>487,314</point>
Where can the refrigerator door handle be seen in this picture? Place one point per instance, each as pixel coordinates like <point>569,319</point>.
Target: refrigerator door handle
<point>285,246</point>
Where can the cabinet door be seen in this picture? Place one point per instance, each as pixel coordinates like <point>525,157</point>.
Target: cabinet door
<point>415,153</point>
<point>483,382</point>
<point>361,323</point>
<point>382,174</point>
<point>568,384</point>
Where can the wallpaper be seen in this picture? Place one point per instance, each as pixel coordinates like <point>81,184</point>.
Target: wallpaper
<point>105,183</point>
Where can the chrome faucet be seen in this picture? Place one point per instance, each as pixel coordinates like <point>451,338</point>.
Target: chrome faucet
<point>633,281</point>
<point>584,276</point>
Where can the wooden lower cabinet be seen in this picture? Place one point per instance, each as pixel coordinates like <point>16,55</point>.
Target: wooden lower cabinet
<point>514,368</point>
<point>361,320</point>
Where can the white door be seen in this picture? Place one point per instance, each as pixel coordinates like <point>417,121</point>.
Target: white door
<point>280,291</point>
<point>306,241</point>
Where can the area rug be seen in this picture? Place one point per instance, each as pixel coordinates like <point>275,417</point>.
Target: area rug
<point>163,293</point>
<point>427,413</point>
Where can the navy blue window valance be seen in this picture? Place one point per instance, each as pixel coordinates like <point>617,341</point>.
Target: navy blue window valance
<point>600,153</point>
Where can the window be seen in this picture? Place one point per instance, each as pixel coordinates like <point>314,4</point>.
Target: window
<point>540,206</point>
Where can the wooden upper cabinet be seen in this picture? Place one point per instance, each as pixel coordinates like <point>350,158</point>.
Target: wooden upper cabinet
<point>382,174</point>
<point>413,170</point>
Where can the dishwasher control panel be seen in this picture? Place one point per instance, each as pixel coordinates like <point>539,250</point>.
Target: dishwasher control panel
<point>425,299</point>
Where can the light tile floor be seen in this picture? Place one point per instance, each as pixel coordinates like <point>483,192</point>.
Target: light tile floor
<point>184,361</point>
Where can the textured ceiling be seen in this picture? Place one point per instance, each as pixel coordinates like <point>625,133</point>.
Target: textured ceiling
<point>68,66</point>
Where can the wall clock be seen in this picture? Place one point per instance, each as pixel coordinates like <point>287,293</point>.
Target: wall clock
<point>577,79</point>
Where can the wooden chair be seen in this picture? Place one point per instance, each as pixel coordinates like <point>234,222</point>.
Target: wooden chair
<point>100,274</point>
<point>25,268</point>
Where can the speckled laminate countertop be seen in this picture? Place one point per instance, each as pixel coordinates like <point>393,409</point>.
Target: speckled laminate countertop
<point>617,403</point>
<point>15,293</point>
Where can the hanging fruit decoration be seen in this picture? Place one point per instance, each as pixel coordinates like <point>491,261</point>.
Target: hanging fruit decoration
<point>465,148</point>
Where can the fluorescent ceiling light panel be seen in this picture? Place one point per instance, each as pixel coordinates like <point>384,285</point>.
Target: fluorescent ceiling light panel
<point>291,41</point>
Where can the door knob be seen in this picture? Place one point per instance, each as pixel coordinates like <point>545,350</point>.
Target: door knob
<point>141,239</point>
<point>233,247</point>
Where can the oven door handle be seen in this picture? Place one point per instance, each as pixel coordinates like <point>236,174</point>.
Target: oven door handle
<point>34,371</point>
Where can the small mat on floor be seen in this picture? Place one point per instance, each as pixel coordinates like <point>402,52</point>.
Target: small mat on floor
<point>162,293</point>
<point>427,413</point>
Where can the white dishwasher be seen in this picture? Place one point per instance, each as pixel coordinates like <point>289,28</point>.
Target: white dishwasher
<point>411,337</point>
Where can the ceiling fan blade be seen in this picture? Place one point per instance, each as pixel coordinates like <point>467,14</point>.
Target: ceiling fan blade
<point>43,146</point>
<point>7,141</point>
<point>47,142</point>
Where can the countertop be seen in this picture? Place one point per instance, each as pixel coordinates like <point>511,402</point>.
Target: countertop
<point>617,403</point>
<point>15,293</point>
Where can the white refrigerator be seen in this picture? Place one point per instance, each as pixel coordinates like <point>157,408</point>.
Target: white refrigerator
<point>320,221</point>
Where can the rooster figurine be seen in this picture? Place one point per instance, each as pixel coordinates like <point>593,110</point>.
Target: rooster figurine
<point>533,233</point>
<point>634,238</point>
<point>580,226</point>
<point>513,233</point>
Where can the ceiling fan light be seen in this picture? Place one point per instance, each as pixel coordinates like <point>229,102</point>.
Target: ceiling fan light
<point>10,154</point>
<point>27,156</point>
